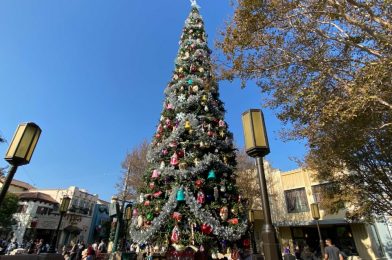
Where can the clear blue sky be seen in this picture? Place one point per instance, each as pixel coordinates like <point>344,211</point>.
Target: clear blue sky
<point>91,74</point>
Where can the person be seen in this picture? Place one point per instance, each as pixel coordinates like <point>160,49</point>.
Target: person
<point>331,251</point>
<point>79,250</point>
<point>73,252</point>
<point>95,245</point>
<point>102,247</point>
<point>307,254</point>
<point>40,247</point>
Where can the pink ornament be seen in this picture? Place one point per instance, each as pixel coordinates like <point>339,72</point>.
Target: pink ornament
<point>174,159</point>
<point>201,198</point>
<point>173,144</point>
<point>152,185</point>
<point>168,122</point>
<point>147,203</point>
<point>175,235</point>
<point>169,106</point>
<point>157,194</point>
<point>135,212</point>
<point>222,123</point>
<point>155,174</point>
<point>165,152</point>
<point>177,216</point>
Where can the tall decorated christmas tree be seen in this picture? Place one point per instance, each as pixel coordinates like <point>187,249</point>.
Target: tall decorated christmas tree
<point>190,197</point>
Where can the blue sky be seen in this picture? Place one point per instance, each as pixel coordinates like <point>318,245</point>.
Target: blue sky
<point>91,74</point>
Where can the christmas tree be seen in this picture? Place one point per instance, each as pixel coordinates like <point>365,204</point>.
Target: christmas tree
<point>190,197</point>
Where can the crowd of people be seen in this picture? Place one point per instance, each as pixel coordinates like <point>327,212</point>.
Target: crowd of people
<point>75,251</point>
<point>31,247</point>
<point>80,251</point>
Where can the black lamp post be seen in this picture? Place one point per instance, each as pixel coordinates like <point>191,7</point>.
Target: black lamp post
<point>256,145</point>
<point>120,211</point>
<point>63,210</point>
<point>316,216</point>
<point>20,151</point>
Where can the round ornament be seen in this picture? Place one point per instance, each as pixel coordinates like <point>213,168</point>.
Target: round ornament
<point>152,185</point>
<point>183,166</point>
<point>177,216</point>
<point>135,212</point>
<point>224,213</point>
<point>199,183</point>
<point>150,216</point>
<point>233,221</point>
<point>206,229</point>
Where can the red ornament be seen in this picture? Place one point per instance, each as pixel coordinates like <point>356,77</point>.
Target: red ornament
<point>147,203</point>
<point>206,229</point>
<point>246,243</point>
<point>233,221</point>
<point>158,135</point>
<point>180,153</point>
<point>199,183</point>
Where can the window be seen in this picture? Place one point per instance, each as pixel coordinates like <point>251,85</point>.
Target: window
<point>42,210</point>
<point>317,192</point>
<point>296,200</point>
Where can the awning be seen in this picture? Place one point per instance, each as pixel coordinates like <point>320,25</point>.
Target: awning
<point>72,229</point>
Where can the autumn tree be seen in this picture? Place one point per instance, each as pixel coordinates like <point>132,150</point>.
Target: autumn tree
<point>134,165</point>
<point>325,66</point>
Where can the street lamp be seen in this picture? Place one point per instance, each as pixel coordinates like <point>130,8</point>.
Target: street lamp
<point>256,145</point>
<point>63,210</point>
<point>20,151</point>
<point>316,216</point>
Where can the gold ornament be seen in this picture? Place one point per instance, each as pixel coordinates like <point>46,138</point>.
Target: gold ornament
<point>187,125</point>
<point>222,133</point>
<point>204,98</point>
<point>183,166</point>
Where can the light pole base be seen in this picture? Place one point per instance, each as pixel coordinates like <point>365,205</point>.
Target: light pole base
<point>270,246</point>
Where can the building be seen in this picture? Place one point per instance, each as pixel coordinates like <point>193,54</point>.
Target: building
<point>100,225</point>
<point>77,222</point>
<point>38,213</point>
<point>291,194</point>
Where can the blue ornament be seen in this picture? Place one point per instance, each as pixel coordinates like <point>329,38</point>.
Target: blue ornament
<point>211,175</point>
<point>190,81</point>
<point>180,195</point>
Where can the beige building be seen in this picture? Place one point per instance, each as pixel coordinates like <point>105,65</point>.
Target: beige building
<point>291,194</point>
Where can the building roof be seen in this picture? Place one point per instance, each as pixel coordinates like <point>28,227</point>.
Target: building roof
<point>36,196</point>
<point>18,183</point>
